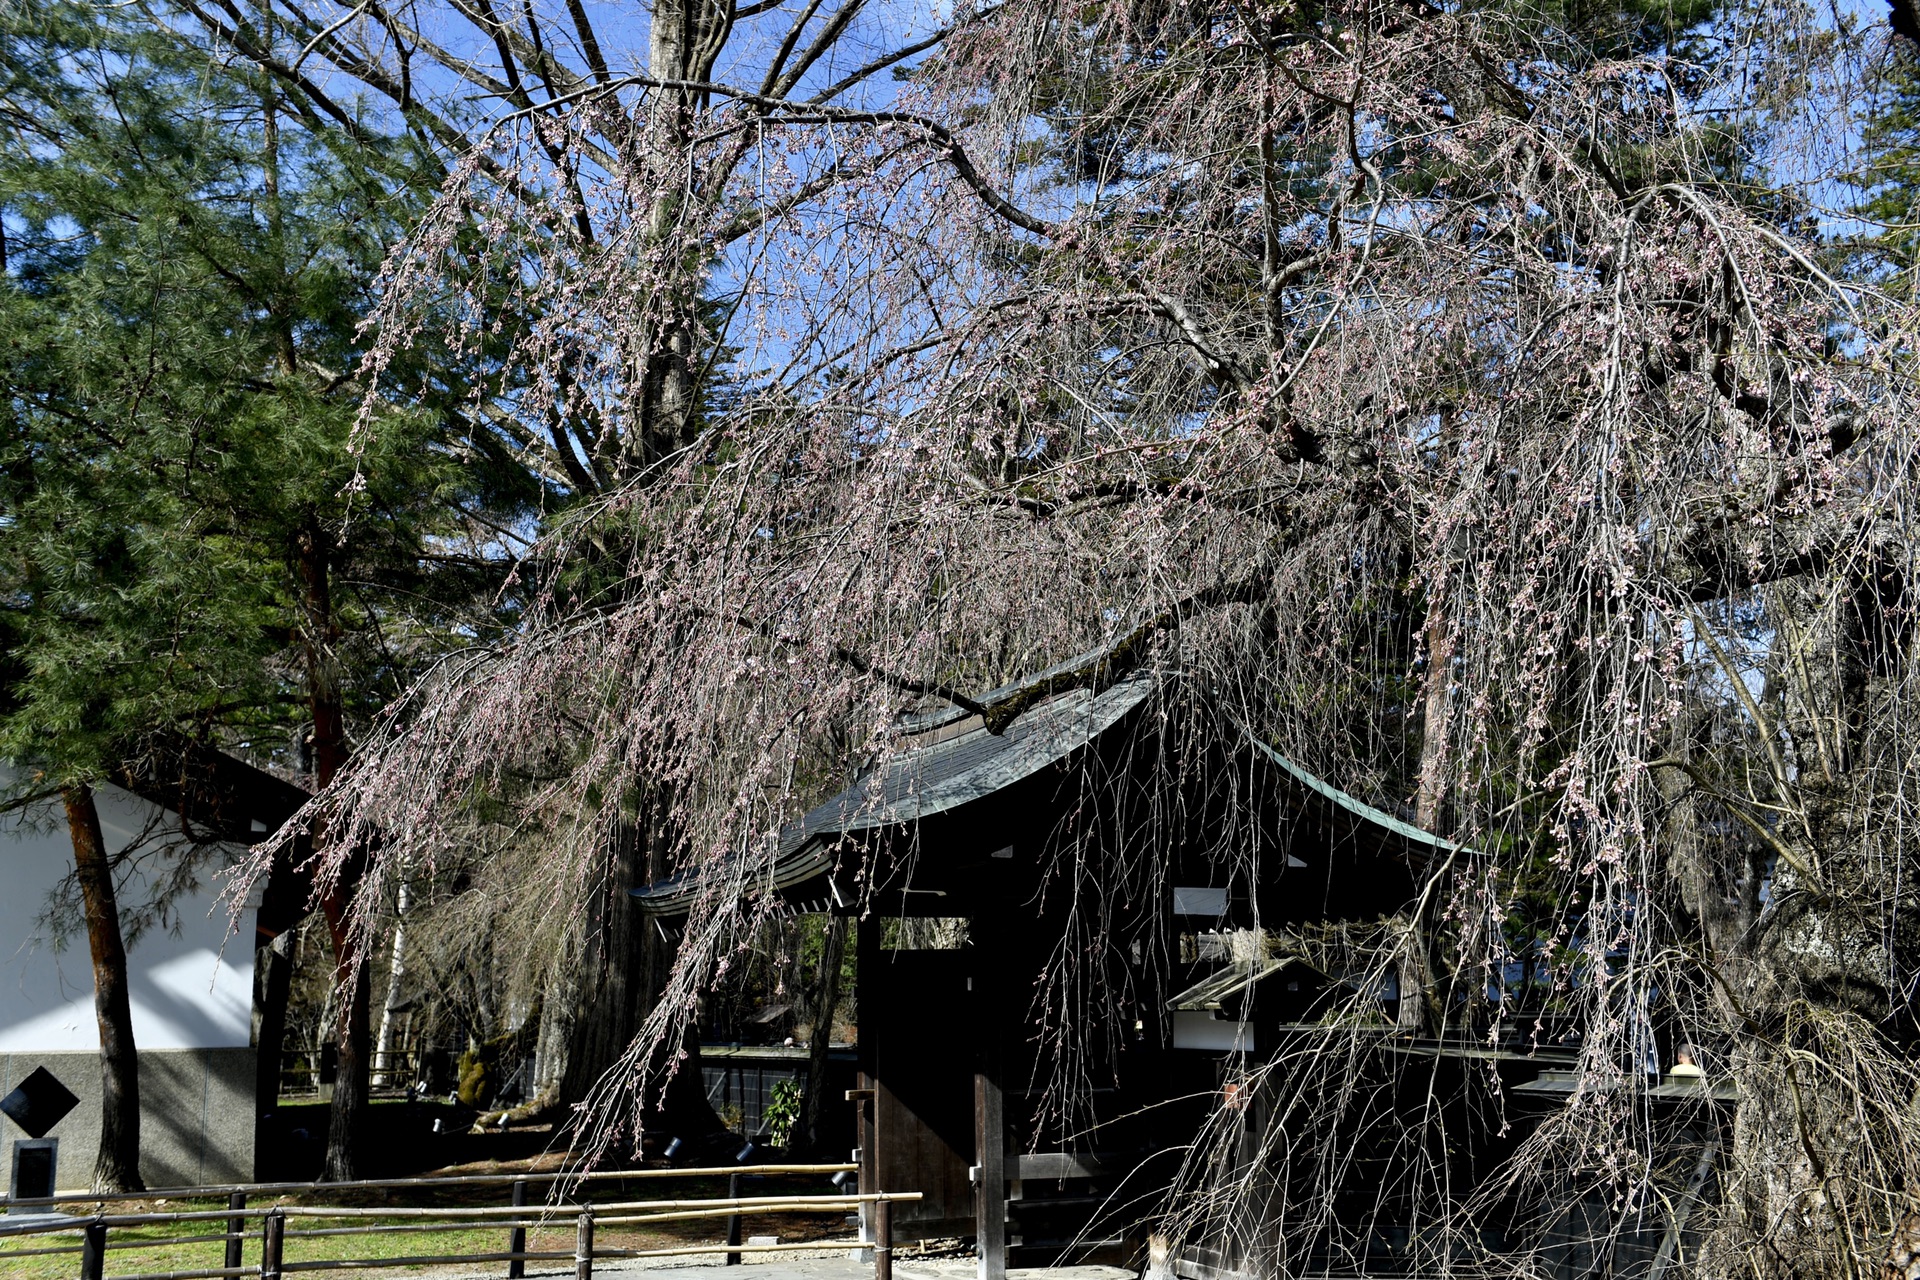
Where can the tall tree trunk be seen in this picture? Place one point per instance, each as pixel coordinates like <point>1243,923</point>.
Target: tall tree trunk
<point>276,212</point>
<point>1802,979</point>
<point>118,1166</point>
<point>826,999</point>
<point>558,1007</point>
<point>353,1038</point>
<point>1421,1010</point>
<point>608,995</point>
<point>1430,798</point>
<point>396,975</point>
<point>322,1030</point>
<point>684,42</point>
<point>624,965</point>
<point>352,1029</point>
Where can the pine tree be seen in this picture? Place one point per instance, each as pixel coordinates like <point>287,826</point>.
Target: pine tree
<point>1889,181</point>
<point>193,542</point>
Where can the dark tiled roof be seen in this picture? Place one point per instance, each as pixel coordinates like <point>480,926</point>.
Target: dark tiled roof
<point>920,782</point>
<point>965,763</point>
<point>958,761</point>
<point>220,796</point>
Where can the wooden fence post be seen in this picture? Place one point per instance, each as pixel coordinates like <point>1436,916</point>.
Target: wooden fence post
<point>733,1221</point>
<point>236,1230</point>
<point>273,1235</point>
<point>882,1240</point>
<point>583,1247</point>
<point>517,1238</point>
<point>93,1250</point>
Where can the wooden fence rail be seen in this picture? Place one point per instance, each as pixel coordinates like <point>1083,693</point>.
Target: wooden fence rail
<point>214,1190</point>
<point>282,1222</point>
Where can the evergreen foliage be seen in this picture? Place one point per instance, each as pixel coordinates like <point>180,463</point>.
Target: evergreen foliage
<point>186,271</point>
<point>1889,183</point>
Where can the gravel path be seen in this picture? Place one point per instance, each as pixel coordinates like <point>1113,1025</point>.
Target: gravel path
<point>826,1265</point>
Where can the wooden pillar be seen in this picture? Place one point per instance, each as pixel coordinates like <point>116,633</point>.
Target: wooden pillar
<point>990,1158</point>
<point>989,1104</point>
<point>868,984</point>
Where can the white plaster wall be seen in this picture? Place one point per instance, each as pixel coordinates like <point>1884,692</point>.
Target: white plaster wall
<point>191,987</point>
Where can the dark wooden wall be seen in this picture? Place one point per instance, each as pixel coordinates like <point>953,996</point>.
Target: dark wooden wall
<point>917,1055</point>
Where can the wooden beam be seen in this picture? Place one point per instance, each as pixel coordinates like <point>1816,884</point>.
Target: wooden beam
<point>1051,1166</point>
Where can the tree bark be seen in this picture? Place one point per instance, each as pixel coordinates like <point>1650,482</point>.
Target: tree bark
<point>1430,799</point>
<point>1802,979</point>
<point>353,1037</point>
<point>396,975</point>
<point>608,996</point>
<point>558,1007</point>
<point>1421,1011</point>
<point>624,963</point>
<point>117,1168</point>
<point>684,42</point>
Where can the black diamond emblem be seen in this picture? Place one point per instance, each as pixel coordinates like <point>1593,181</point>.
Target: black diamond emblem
<point>40,1103</point>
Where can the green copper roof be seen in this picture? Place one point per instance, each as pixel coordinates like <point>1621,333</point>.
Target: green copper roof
<point>1379,818</point>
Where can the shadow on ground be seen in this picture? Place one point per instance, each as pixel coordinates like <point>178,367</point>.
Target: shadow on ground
<point>399,1141</point>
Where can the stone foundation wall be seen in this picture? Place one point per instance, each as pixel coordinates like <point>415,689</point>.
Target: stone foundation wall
<point>196,1115</point>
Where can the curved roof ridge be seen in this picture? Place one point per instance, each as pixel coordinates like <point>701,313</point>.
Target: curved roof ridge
<point>923,781</point>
